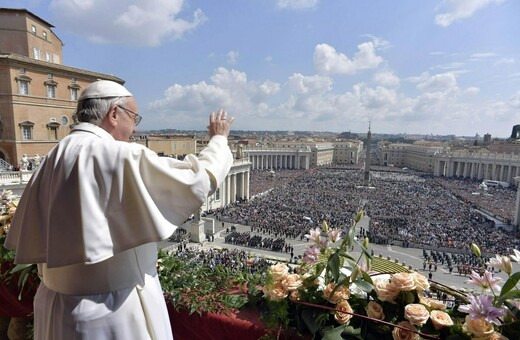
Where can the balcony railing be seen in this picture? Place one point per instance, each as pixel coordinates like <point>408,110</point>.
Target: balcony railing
<point>15,177</point>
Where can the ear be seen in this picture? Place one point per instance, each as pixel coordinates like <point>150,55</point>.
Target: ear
<point>110,120</point>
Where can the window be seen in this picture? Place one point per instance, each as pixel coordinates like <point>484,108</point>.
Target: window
<point>53,127</point>
<point>27,129</point>
<point>49,76</point>
<point>74,90</point>
<point>73,94</point>
<point>51,91</point>
<point>51,88</point>
<point>36,53</point>
<point>24,87</point>
<point>44,35</point>
<point>64,120</point>
<point>23,84</point>
<point>33,29</point>
<point>47,57</point>
<point>22,70</point>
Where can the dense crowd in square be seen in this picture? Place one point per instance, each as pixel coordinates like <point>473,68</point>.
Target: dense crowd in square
<point>409,208</point>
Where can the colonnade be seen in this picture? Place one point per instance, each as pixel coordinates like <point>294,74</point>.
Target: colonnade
<point>496,167</point>
<point>278,160</point>
<point>235,186</point>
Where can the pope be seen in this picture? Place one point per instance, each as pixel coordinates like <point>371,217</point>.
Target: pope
<point>93,211</point>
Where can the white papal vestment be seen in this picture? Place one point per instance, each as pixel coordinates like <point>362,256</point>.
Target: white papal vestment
<point>90,217</point>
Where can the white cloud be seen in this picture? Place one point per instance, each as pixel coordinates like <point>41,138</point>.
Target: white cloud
<point>472,90</point>
<point>514,101</point>
<point>483,55</point>
<point>129,22</point>
<point>457,10</point>
<point>232,57</point>
<point>328,61</point>
<point>441,82</point>
<point>296,4</point>
<point>386,78</point>
<point>312,103</point>
<point>505,61</point>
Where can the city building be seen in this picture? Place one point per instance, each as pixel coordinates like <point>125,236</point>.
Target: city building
<point>347,152</point>
<point>418,156</point>
<point>38,94</point>
<point>168,145</point>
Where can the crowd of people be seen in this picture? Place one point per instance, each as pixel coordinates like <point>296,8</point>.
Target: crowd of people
<point>233,259</point>
<point>403,207</point>
<point>256,241</point>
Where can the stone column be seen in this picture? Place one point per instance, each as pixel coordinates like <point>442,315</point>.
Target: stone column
<point>246,184</point>
<point>517,205</point>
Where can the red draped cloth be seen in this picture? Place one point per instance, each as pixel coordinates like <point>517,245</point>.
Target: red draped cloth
<point>243,326</point>
<point>10,306</point>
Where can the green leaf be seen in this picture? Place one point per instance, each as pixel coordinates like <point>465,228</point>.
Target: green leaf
<point>364,285</point>
<point>367,277</point>
<point>510,283</point>
<point>515,294</point>
<point>333,266</point>
<point>332,333</point>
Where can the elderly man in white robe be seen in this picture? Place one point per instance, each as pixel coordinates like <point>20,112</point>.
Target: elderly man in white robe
<point>91,215</point>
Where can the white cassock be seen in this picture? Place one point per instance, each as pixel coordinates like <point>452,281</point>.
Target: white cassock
<point>90,218</point>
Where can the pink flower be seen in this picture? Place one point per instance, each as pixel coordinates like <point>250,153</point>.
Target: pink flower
<point>314,235</point>
<point>516,257</point>
<point>311,254</point>
<point>501,262</point>
<point>486,281</point>
<point>482,307</point>
<point>334,235</point>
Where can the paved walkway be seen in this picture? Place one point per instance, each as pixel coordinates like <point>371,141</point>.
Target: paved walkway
<point>410,256</point>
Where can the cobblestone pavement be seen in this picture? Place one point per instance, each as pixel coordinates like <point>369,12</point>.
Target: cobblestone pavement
<point>410,256</point>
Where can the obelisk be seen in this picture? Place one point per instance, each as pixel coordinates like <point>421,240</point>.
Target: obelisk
<point>367,158</point>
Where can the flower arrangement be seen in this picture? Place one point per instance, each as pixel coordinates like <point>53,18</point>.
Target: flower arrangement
<point>10,273</point>
<point>332,295</point>
<point>199,288</point>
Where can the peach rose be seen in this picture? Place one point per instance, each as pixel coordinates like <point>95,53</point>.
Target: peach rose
<point>295,296</point>
<point>479,328</point>
<point>416,313</point>
<point>401,334</point>
<point>375,310</point>
<point>403,281</point>
<point>440,319</point>
<point>342,293</point>
<point>437,304</point>
<point>279,271</point>
<point>315,282</point>
<point>386,291</point>
<point>425,301</point>
<point>343,318</point>
<point>292,282</point>
<point>421,283</point>
<point>276,292</point>
<point>497,336</point>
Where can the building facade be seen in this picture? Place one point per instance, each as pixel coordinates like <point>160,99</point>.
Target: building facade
<point>38,94</point>
<point>492,166</point>
<point>347,152</point>
<point>418,156</point>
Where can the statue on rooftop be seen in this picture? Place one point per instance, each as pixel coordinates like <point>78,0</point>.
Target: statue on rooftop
<point>515,132</point>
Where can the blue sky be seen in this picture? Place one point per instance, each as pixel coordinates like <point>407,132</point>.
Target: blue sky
<point>407,66</point>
